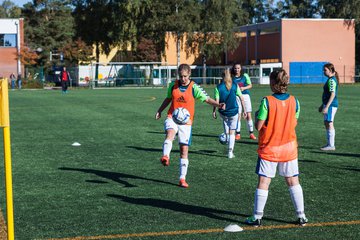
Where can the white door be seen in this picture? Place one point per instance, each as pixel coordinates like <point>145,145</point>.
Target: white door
<point>266,69</point>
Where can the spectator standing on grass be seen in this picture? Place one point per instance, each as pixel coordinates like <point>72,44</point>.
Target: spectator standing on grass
<point>12,80</point>
<point>19,81</point>
<point>65,79</point>
<point>329,105</point>
<point>181,93</point>
<point>227,92</point>
<point>244,83</point>
<point>276,121</point>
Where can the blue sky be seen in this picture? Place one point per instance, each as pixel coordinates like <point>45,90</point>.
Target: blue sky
<point>20,3</point>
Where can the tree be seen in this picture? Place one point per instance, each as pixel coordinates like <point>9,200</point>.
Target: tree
<point>146,51</point>
<point>97,24</point>
<point>296,8</point>
<point>213,30</point>
<point>257,11</point>
<point>48,25</point>
<point>8,9</point>
<point>78,51</point>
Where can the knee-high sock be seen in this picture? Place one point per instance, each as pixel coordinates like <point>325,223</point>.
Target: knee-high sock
<point>231,142</point>
<point>167,146</point>
<point>260,202</point>
<point>184,163</point>
<point>297,198</point>
<point>250,125</point>
<point>331,137</point>
<point>238,128</point>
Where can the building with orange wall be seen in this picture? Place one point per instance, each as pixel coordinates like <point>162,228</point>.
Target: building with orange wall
<point>11,40</point>
<point>300,46</point>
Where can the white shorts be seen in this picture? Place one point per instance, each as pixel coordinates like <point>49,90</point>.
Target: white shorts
<point>268,169</point>
<point>229,123</point>
<point>247,102</point>
<point>183,131</point>
<point>329,117</point>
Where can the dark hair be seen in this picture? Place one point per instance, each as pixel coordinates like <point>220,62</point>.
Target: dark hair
<point>232,71</point>
<point>185,67</point>
<point>279,81</point>
<point>331,67</point>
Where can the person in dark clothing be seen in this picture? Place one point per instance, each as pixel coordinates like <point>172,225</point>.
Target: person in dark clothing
<point>65,79</point>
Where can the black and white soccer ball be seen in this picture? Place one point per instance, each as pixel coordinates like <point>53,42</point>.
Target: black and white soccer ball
<point>181,116</point>
<point>223,139</point>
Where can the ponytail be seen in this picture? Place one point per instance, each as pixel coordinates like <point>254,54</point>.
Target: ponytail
<point>227,79</point>
<point>337,77</point>
<point>331,67</point>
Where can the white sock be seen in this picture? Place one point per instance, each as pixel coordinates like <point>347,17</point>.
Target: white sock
<point>184,163</point>
<point>297,198</point>
<point>250,126</point>
<point>328,137</point>
<point>238,128</point>
<point>231,143</point>
<point>260,201</point>
<point>331,134</point>
<point>167,146</point>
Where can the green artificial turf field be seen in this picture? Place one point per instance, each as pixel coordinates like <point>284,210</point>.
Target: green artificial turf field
<point>113,184</point>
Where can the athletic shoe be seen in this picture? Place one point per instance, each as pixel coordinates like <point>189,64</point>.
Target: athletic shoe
<point>231,155</point>
<point>252,136</point>
<point>165,160</point>
<point>183,183</point>
<point>253,221</point>
<point>302,221</point>
<point>328,148</point>
<point>237,136</point>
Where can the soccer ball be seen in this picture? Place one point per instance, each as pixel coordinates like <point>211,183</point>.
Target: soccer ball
<point>181,116</point>
<point>223,139</point>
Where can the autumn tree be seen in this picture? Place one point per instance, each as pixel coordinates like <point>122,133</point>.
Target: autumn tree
<point>48,26</point>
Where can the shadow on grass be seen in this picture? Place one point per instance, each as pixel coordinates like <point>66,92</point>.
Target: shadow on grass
<point>186,208</point>
<point>202,152</point>
<point>351,168</point>
<point>348,168</point>
<point>114,176</point>
<point>248,142</point>
<point>193,134</point>
<point>338,154</point>
<point>308,161</point>
<point>178,207</point>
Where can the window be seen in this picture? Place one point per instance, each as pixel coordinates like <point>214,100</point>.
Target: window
<point>7,40</point>
<point>266,72</point>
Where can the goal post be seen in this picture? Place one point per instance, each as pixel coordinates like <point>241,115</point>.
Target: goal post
<point>129,74</point>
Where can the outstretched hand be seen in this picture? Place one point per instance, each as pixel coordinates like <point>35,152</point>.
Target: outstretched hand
<point>214,115</point>
<point>157,115</point>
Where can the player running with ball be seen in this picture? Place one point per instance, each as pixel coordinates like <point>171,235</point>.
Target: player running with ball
<point>182,93</point>
<point>227,92</point>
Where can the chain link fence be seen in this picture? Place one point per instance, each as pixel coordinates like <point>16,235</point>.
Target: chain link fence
<point>39,77</point>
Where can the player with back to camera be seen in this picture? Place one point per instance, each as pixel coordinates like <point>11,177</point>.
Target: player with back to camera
<point>226,92</point>
<point>329,105</point>
<point>244,82</point>
<point>276,121</point>
<point>181,93</point>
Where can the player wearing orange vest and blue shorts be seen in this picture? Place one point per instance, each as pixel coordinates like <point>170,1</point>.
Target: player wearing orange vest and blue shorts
<point>181,93</point>
<point>276,121</point>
